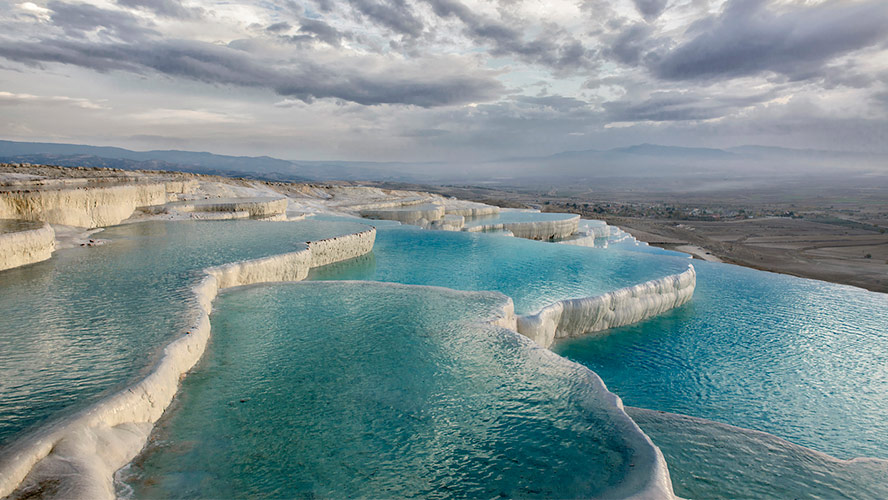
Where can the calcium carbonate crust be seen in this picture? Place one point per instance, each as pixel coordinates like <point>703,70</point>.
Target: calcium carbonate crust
<point>20,248</point>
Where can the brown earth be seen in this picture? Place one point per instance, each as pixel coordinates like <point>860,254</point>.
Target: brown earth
<point>780,244</point>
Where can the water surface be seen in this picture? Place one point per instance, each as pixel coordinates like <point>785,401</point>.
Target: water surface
<point>344,389</point>
<point>91,319</point>
<point>802,359</point>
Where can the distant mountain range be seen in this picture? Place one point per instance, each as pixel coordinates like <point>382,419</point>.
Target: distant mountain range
<point>644,161</point>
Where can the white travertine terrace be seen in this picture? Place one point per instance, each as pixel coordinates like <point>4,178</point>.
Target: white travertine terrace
<point>28,246</point>
<point>407,215</point>
<point>450,222</point>
<point>579,240</point>
<point>469,208</point>
<point>534,230</point>
<point>259,207</point>
<point>80,454</point>
<point>89,206</point>
<point>575,317</point>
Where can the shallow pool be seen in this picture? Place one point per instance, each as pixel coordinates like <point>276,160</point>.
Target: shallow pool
<point>802,359</point>
<point>345,389</point>
<point>534,274</point>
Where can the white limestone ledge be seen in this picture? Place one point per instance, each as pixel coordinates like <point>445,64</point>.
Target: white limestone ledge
<point>89,206</point>
<point>534,230</point>
<point>75,458</point>
<point>576,317</point>
<point>34,242</point>
<point>407,215</point>
<point>225,208</point>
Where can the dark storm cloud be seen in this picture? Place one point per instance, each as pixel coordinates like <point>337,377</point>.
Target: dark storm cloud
<point>631,43</point>
<point>279,27</point>
<point>434,85</point>
<point>165,8</point>
<point>748,38</point>
<point>650,9</point>
<point>322,31</point>
<point>77,19</point>
<point>679,106</point>
<point>552,49</point>
<point>395,15</point>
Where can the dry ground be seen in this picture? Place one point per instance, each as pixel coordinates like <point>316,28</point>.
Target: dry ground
<point>780,244</point>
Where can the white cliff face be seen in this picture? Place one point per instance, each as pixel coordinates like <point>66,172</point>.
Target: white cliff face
<point>575,317</point>
<point>24,247</point>
<point>88,207</point>
<point>76,458</point>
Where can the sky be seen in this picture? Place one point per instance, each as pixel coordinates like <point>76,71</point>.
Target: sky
<point>444,80</point>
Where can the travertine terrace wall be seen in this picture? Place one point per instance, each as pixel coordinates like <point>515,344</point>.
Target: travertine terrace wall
<point>26,247</point>
<point>407,215</point>
<point>575,317</point>
<point>253,208</point>
<point>84,206</point>
<point>535,230</point>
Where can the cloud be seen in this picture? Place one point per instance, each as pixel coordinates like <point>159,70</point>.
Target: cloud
<point>650,9</point>
<point>322,31</point>
<point>13,99</point>
<point>679,106</point>
<point>434,82</point>
<point>795,40</point>
<point>167,116</point>
<point>79,19</point>
<point>395,15</point>
<point>164,8</point>
<point>553,48</point>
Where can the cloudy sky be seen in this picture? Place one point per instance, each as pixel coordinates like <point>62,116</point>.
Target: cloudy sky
<point>444,79</point>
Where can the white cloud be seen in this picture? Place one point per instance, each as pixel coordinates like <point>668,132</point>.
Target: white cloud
<point>12,99</point>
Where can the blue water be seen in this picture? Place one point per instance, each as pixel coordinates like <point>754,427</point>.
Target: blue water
<point>709,460</point>
<point>89,320</point>
<point>802,359</point>
<point>344,389</point>
<point>534,274</point>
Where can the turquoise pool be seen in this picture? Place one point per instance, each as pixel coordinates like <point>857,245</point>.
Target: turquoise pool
<point>802,359</point>
<point>534,274</point>
<point>355,389</point>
